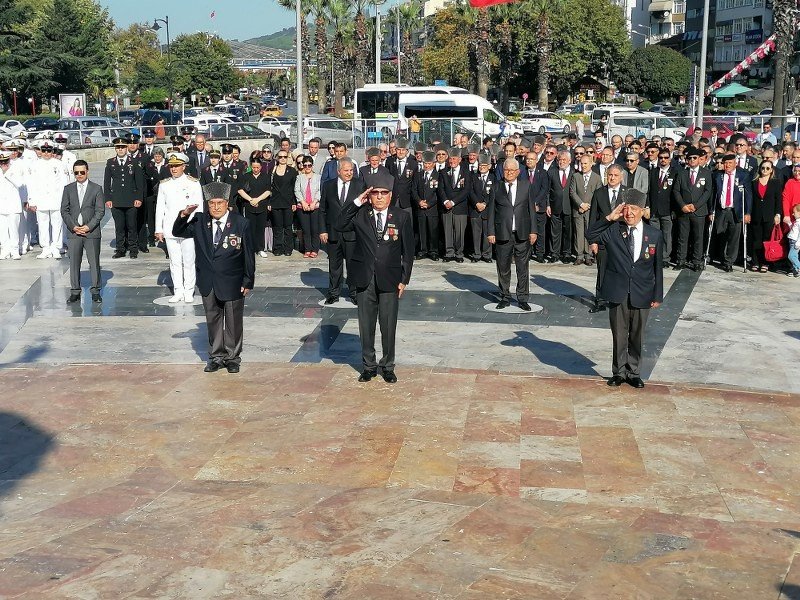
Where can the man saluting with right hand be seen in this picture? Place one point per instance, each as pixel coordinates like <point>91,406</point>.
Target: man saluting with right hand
<point>381,268</point>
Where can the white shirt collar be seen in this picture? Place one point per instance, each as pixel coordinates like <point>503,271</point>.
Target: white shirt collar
<point>223,220</point>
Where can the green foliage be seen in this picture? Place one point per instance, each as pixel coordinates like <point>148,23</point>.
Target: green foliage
<point>654,71</point>
<point>282,40</point>
<point>645,105</point>
<point>200,63</point>
<point>153,95</point>
<point>446,56</point>
<point>136,52</point>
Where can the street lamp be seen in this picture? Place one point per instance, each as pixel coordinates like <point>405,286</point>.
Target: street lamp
<point>378,40</point>
<point>156,27</point>
<point>15,100</point>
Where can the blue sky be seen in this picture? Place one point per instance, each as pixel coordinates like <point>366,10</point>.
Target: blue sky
<point>233,20</point>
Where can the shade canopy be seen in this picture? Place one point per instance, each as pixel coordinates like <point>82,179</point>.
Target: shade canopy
<point>731,90</point>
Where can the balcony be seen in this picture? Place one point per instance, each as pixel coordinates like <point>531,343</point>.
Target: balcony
<point>660,9</point>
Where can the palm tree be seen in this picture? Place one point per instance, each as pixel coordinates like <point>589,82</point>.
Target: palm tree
<point>339,14</point>
<point>503,16</point>
<point>470,15</point>
<point>319,10</point>
<point>410,21</point>
<point>362,42</point>
<point>542,9</point>
<point>784,18</point>
<point>302,38</point>
<point>481,32</point>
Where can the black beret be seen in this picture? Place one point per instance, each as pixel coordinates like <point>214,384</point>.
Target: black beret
<point>381,180</point>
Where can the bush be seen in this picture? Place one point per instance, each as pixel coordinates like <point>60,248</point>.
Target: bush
<point>646,105</point>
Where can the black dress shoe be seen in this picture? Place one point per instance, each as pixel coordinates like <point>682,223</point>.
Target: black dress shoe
<point>679,266</point>
<point>698,267</point>
<point>598,307</point>
<point>287,253</point>
<point>616,381</point>
<point>367,375</point>
<point>331,300</point>
<point>524,306</point>
<point>503,304</point>
<point>434,257</point>
<point>566,260</point>
<point>144,249</point>
<point>636,382</point>
<point>119,254</point>
<point>727,268</point>
<point>96,298</point>
<point>212,366</point>
<point>540,259</point>
<point>447,258</point>
<point>459,260</point>
<point>665,264</point>
<point>588,262</point>
<point>354,300</point>
<point>472,259</point>
<point>389,376</point>
<point>134,254</point>
<point>419,256</point>
<point>232,367</point>
<point>73,298</point>
<point>151,243</point>
<point>486,259</point>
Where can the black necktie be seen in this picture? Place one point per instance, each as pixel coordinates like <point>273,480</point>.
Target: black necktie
<point>613,199</point>
<point>379,223</point>
<point>631,245</point>
<point>218,233</point>
<point>508,193</point>
<point>343,195</point>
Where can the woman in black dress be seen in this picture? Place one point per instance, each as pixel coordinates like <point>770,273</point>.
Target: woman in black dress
<point>766,213</point>
<point>282,205</point>
<point>255,191</point>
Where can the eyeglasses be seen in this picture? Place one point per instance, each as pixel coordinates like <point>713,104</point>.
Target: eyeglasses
<point>307,165</point>
<point>79,172</point>
<point>630,160</point>
<point>665,157</point>
<point>766,168</point>
<point>379,193</point>
<point>692,157</point>
<point>550,152</point>
<point>740,144</point>
<point>282,156</point>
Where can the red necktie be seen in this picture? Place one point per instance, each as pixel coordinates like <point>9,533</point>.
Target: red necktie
<point>563,179</point>
<point>530,177</point>
<point>692,177</point>
<point>729,193</point>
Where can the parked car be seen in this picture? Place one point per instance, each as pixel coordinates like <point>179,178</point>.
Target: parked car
<point>40,123</point>
<point>738,116</point>
<point>724,130</point>
<point>766,115</point>
<point>565,108</point>
<point>542,122</point>
<point>235,130</point>
<point>128,117</point>
<point>331,129</point>
<point>203,121</point>
<point>271,110</point>
<point>150,117</point>
<point>11,127</point>
<point>584,108</point>
<point>277,127</point>
<point>100,137</point>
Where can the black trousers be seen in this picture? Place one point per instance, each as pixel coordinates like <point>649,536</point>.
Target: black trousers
<point>309,223</point>
<point>627,331</point>
<point>690,225</point>
<point>428,227</point>
<point>566,234</point>
<point>225,322</point>
<point>481,248</point>
<point>728,230</point>
<point>147,221</point>
<point>339,253</point>
<point>757,234</point>
<point>541,235</point>
<point>554,229</point>
<point>665,225</point>
<point>282,239</point>
<point>258,224</point>
<point>520,251</point>
<point>380,307</point>
<point>126,228</point>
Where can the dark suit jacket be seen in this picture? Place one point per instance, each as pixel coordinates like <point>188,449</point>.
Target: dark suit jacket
<point>225,270</point>
<point>641,279</point>
<point>420,191</point>
<point>752,165</point>
<point>559,196</point>
<point>367,170</point>
<point>206,178</point>
<point>125,184</point>
<point>742,193</point>
<point>700,194</point>
<point>601,203</point>
<point>330,207</point>
<point>458,194</point>
<point>480,193</point>
<point>388,261</point>
<point>660,195</point>
<point>540,188</point>
<point>92,208</point>
<point>770,204</point>
<point>501,212</point>
<point>401,193</point>
<point>153,176</point>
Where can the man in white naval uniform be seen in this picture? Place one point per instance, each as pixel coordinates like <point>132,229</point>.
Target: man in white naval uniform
<point>174,195</point>
<point>18,174</point>
<point>10,211</point>
<point>45,188</point>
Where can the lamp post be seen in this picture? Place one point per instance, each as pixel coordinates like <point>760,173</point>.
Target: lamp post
<point>14,90</point>
<point>378,40</point>
<point>156,27</point>
<point>397,8</point>
<point>299,70</point>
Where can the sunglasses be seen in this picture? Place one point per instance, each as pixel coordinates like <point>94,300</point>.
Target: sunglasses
<point>379,193</point>
<point>282,156</point>
<point>693,157</point>
<point>580,153</point>
<point>765,169</point>
<point>79,172</point>
<point>306,165</point>
<point>630,160</point>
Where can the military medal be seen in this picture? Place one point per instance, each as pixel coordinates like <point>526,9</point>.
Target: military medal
<point>224,244</point>
<point>386,237</point>
<point>646,255</point>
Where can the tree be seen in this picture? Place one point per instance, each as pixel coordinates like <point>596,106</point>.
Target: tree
<point>362,45</point>
<point>543,9</point>
<point>22,65</point>
<point>304,40</point>
<point>656,72</point>
<point>410,21</point>
<point>784,27</point>
<point>339,15</point>
<point>200,62</point>
<point>136,52</point>
<point>446,55</point>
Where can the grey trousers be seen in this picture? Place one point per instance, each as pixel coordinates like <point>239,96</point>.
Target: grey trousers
<point>627,331</point>
<point>665,225</point>
<point>581,223</point>
<point>454,228</point>
<point>380,307</point>
<point>481,248</point>
<point>225,321</point>
<point>520,252</point>
<point>76,246</point>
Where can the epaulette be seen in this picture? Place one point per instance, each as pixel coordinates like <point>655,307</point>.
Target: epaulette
<point>190,178</point>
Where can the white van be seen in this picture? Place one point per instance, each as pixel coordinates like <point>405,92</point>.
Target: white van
<point>606,110</point>
<point>643,123</point>
<point>474,113</point>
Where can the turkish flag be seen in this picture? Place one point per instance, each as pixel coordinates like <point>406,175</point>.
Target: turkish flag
<point>485,3</point>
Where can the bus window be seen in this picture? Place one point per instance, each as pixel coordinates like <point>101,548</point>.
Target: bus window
<point>441,112</point>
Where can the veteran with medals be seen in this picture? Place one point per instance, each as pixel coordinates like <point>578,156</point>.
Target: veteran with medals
<point>226,267</point>
<point>633,282</point>
<point>380,268</point>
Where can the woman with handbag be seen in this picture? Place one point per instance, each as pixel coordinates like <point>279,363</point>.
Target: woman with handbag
<point>766,213</point>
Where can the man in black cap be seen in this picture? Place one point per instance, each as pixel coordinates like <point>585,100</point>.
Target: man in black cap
<point>424,192</point>
<point>693,193</point>
<point>124,189</point>
<point>381,268</point>
<point>454,191</point>
<point>226,267</point>
<point>234,171</point>
<point>482,193</point>
<point>214,171</point>
<point>402,167</point>
<point>633,282</point>
<point>149,144</point>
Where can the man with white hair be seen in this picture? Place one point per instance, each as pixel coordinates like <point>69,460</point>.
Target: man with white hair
<point>45,189</point>
<point>174,195</point>
<point>10,211</point>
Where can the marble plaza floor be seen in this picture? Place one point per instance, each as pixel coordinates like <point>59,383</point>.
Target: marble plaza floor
<point>499,466</point>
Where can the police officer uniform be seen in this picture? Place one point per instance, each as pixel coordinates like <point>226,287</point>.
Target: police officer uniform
<point>124,189</point>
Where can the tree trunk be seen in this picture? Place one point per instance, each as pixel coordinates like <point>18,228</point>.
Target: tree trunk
<point>338,79</point>
<point>783,27</point>
<point>321,39</point>
<point>362,47</point>
<point>543,53</point>
<point>482,52</point>
<point>302,102</point>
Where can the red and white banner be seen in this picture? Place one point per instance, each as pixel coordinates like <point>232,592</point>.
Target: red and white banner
<point>485,3</point>
<point>755,56</point>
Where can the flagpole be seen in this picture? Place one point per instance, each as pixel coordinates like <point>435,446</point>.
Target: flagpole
<point>299,71</point>
<point>701,88</point>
